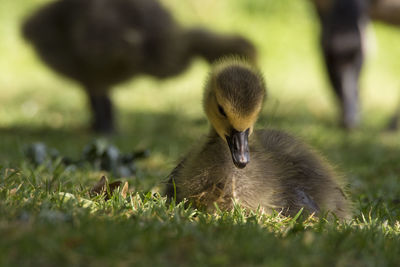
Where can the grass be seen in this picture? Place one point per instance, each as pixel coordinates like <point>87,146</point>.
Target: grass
<point>39,226</point>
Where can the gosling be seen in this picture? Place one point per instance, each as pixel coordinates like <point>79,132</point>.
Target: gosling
<point>343,26</point>
<point>263,169</point>
<point>100,43</point>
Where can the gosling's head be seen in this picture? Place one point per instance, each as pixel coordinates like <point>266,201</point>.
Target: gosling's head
<point>233,98</point>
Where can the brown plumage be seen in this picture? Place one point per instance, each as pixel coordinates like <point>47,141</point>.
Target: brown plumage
<point>268,168</point>
<point>100,43</point>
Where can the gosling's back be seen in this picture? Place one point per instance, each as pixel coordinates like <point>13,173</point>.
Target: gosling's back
<point>103,42</point>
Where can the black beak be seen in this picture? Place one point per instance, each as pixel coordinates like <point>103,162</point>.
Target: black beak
<point>239,145</point>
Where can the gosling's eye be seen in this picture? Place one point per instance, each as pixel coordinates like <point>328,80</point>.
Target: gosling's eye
<point>221,111</point>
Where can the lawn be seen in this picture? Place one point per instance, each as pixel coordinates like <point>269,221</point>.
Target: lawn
<point>47,219</point>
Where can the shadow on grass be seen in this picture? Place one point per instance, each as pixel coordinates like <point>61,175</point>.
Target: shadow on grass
<point>173,133</point>
<point>368,157</point>
<point>166,133</point>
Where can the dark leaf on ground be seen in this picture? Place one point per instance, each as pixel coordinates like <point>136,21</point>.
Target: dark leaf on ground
<point>103,187</point>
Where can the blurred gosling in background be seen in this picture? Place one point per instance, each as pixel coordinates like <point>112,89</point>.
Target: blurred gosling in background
<point>265,169</point>
<point>343,25</point>
<point>100,43</point>
<point>343,31</point>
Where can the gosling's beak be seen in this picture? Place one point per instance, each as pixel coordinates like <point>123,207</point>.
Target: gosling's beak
<point>239,145</point>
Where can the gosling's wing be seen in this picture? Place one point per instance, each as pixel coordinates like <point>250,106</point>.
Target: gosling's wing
<point>314,184</point>
<point>305,201</point>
